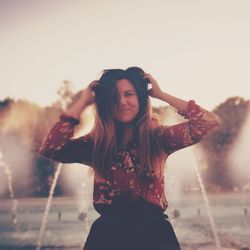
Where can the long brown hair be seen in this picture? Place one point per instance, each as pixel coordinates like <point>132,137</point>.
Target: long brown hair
<point>106,131</point>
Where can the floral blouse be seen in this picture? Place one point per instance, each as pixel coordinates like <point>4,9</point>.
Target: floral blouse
<point>59,146</point>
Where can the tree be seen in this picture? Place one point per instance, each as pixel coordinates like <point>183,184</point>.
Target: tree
<point>217,146</point>
<point>66,94</point>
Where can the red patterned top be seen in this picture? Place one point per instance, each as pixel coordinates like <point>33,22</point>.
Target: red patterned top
<point>123,178</point>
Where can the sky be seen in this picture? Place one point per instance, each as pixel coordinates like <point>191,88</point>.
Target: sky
<point>196,49</point>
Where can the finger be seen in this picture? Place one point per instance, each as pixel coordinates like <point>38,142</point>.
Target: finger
<point>94,84</point>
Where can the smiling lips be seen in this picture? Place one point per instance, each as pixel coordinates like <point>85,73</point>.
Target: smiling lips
<point>124,110</point>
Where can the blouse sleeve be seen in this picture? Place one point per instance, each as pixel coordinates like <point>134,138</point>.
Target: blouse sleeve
<point>200,123</point>
<point>59,146</point>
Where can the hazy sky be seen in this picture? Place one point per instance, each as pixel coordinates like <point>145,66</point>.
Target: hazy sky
<point>197,49</point>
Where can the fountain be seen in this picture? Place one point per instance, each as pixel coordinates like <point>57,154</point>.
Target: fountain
<point>185,159</point>
<point>207,203</point>
<point>8,173</point>
<point>47,208</point>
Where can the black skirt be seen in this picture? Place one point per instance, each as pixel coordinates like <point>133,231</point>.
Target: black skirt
<point>133,225</point>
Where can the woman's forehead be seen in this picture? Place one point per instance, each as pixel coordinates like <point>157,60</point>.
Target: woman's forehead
<point>124,85</point>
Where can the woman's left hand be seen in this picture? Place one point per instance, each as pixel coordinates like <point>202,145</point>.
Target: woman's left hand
<point>155,91</point>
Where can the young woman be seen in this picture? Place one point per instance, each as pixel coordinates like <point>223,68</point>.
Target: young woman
<point>127,149</point>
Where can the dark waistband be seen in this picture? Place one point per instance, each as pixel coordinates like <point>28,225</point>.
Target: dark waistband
<point>123,207</point>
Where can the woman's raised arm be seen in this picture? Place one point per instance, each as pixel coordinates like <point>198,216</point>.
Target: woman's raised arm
<point>199,122</point>
<point>59,145</point>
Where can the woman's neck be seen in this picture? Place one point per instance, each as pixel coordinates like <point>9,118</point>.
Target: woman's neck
<point>127,134</point>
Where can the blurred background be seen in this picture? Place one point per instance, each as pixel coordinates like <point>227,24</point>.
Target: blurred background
<point>51,49</point>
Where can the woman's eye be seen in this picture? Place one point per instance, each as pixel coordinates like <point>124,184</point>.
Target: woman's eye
<point>128,94</point>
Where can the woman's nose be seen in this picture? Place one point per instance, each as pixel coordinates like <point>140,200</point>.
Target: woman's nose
<point>122,100</point>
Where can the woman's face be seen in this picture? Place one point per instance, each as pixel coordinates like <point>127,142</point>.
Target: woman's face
<point>128,104</point>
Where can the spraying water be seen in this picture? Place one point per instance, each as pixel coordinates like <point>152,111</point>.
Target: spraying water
<point>86,207</point>
<point>47,208</point>
<point>8,173</point>
<point>207,204</point>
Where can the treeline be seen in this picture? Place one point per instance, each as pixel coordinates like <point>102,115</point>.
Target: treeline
<point>24,125</point>
<point>218,147</point>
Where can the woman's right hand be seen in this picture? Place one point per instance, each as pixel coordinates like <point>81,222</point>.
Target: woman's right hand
<point>87,95</point>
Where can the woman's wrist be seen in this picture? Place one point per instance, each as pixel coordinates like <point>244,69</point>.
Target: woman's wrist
<point>76,107</point>
<point>162,96</point>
